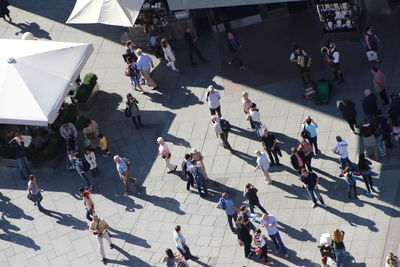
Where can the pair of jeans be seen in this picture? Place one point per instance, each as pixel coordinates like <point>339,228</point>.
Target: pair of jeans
<point>201,184</point>
<point>380,141</point>
<point>257,126</point>
<point>312,192</point>
<point>236,57</point>
<point>217,110</point>
<point>344,163</point>
<point>23,166</point>
<point>189,181</point>
<point>253,204</point>
<point>193,50</point>
<point>313,141</point>
<point>39,199</point>
<point>351,187</point>
<point>352,123</point>
<point>247,248</point>
<point>264,252</point>
<point>187,254</point>
<point>368,181</point>
<point>276,238</point>
<point>89,214</point>
<point>224,138</point>
<point>274,152</point>
<point>137,121</point>
<point>341,257</point>
<point>232,219</point>
<point>86,179</point>
<point>384,96</point>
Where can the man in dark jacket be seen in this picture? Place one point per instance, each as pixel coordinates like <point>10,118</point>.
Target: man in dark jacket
<point>191,45</point>
<point>250,193</point>
<point>234,46</point>
<point>20,155</point>
<point>244,236</point>
<point>297,159</point>
<point>349,113</point>
<point>370,105</point>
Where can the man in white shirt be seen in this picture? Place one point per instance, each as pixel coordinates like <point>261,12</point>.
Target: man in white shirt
<point>212,99</point>
<point>180,242</point>
<point>263,164</point>
<point>221,133</point>
<point>341,150</point>
<point>144,64</point>
<point>255,117</point>
<point>333,59</point>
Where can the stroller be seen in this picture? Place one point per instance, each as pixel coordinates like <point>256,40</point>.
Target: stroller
<point>326,249</point>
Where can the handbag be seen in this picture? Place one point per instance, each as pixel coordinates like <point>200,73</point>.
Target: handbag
<point>31,197</point>
<point>248,117</point>
<point>372,55</point>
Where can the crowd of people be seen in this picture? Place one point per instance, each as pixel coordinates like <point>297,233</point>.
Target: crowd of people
<point>378,132</point>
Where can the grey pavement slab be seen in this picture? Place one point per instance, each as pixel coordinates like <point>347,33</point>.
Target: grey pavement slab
<point>142,223</point>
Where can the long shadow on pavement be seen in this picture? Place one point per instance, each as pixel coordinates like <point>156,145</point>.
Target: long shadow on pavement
<point>301,235</point>
<point>130,261</point>
<point>66,219</point>
<point>129,238</point>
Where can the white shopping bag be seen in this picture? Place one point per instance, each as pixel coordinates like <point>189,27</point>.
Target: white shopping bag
<point>372,55</point>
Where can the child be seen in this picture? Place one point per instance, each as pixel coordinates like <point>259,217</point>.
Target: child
<point>186,171</point>
<point>91,159</point>
<point>351,182</point>
<point>103,145</point>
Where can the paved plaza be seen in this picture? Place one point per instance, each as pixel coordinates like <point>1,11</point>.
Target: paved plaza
<point>142,223</point>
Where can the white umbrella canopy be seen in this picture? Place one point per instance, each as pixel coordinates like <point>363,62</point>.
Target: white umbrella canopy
<point>111,12</point>
<point>35,78</point>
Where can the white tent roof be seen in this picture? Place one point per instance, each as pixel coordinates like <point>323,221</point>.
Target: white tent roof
<point>112,12</point>
<point>35,78</point>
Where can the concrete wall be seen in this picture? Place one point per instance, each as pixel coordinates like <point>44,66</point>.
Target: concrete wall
<point>194,4</point>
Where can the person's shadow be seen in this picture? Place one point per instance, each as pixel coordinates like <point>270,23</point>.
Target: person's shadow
<point>301,235</point>
<point>66,219</point>
<point>130,259</point>
<point>33,28</point>
<point>129,238</point>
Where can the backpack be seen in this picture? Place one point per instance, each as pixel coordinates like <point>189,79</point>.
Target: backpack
<point>85,165</point>
<point>225,125</point>
<point>223,204</point>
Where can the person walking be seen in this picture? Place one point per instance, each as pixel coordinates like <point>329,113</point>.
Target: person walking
<point>306,148</point>
<point>263,164</point>
<point>4,11</point>
<point>235,47</point>
<point>303,63</point>
<point>366,173</point>
<point>367,131</point>
<point>132,71</point>
<point>69,133</point>
<point>222,127</point>
<point>244,236</point>
<point>88,203</point>
<point>333,58</point>
<point>349,113</point>
<point>122,165</point>
<point>380,84</point>
<point>370,105</point>
<point>169,54</point>
<point>35,192</point>
<point>212,98</point>
<point>99,228</point>
<point>191,46</point>
<point>339,248</point>
<point>255,118</point>
<point>130,51</point>
<point>250,193</point>
<point>196,155</point>
<point>186,164</point>
<point>351,183</point>
<point>297,160</point>
<point>341,150</point>
<point>170,259</point>
<point>199,179</point>
<point>310,182</point>
<point>90,157</point>
<point>180,242</point>
<point>270,144</point>
<point>20,155</point>
<point>310,126</point>
<point>133,110</point>
<point>82,167</point>
<point>246,102</point>
<point>271,225</point>
<point>371,40</point>
<point>259,241</point>
<point>230,209</point>
<point>164,152</point>
<point>144,64</point>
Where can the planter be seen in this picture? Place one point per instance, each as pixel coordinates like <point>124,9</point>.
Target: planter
<point>85,106</point>
<point>51,164</point>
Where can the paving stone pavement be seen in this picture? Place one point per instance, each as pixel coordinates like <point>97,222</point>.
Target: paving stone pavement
<point>142,223</point>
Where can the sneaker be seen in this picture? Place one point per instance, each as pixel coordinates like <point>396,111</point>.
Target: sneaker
<point>324,205</point>
<point>314,205</point>
<point>112,246</point>
<point>189,191</point>
<point>368,194</point>
<point>104,260</point>
<point>373,190</point>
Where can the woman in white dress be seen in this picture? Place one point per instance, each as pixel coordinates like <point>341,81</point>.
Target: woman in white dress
<point>169,54</point>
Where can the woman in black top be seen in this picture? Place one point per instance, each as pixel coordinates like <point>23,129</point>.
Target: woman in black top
<point>132,106</point>
<point>365,170</point>
<point>130,51</point>
<point>338,246</point>
<point>346,107</point>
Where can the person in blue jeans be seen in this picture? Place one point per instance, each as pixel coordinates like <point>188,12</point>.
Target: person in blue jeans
<point>20,154</point>
<point>341,150</point>
<point>311,127</point>
<point>35,190</point>
<point>339,248</point>
<point>199,179</point>
<point>230,209</point>
<point>271,225</point>
<point>310,182</point>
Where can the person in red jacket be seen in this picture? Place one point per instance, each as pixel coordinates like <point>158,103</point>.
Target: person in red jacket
<point>87,202</point>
